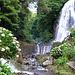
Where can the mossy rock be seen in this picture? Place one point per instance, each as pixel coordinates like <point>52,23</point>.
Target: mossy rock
<point>56,44</point>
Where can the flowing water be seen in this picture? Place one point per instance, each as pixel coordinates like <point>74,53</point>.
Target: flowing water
<point>42,48</point>
<point>33,6</point>
<point>66,20</point>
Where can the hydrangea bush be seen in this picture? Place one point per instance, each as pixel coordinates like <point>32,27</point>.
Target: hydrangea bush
<point>9,46</point>
<point>62,50</point>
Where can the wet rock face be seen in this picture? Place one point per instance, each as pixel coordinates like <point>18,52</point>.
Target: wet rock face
<point>26,49</point>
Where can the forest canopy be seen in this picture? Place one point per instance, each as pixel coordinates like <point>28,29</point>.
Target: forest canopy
<point>15,16</point>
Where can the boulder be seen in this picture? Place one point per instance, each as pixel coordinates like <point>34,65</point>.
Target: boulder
<point>25,62</point>
<point>47,62</point>
<point>56,44</point>
<point>71,64</point>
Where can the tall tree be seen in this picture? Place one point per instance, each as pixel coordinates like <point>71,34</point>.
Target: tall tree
<point>9,14</point>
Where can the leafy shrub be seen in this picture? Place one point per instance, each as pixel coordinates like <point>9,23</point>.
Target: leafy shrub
<point>63,50</point>
<point>61,61</point>
<point>9,46</point>
<point>68,52</point>
<point>73,33</point>
<point>56,52</point>
<point>63,41</point>
<point>74,53</point>
<point>5,70</point>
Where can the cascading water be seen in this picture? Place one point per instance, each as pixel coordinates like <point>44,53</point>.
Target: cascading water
<point>43,48</point>
<point>66,20</point>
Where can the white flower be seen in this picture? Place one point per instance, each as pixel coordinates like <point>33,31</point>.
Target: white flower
<point>17,42</point>
<point>7,30</point>
<point>0,40</point>
<point>19,49</point>
<point>4,29</point>
<point>13,42</point>
<point>10,34</point>
<point>3,35</point>
<point>3,49</point>
<point>8,66</point>
<point>14,37</point>
<point>18,45</point>
<point>7,48</point>
<point>17,56</point>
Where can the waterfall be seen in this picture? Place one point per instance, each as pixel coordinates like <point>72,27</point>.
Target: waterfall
<point>33,6</point>
<point>66,20</point>
<point>42,48</point>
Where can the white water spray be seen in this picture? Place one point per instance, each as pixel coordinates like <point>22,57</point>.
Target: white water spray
<point>43,48</point>
<point>33,6</point>
<point>66,20</point>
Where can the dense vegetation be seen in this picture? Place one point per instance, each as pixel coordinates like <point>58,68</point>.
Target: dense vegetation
<point>63,53</point>
<point>47,15</point>
<point>9,48</point>
<point>15,16</point>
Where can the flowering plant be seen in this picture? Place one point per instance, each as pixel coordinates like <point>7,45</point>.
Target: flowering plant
<point>9,46</point>
<point>60,50</point>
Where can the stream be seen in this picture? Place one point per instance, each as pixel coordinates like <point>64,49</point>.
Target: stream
<point>31,63</point>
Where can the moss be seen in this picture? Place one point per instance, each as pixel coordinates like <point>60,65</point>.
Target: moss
<point>41,60</point>
<point>56,44</point>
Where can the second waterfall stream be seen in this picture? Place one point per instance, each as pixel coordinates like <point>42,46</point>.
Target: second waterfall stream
<point>66,20</point>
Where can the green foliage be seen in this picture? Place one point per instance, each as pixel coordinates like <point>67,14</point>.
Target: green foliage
<point>63,50</point>
<point>74,53</point>
<point>56,52</point>
<point>73,33</point>
<point>9,14</point>
<point>61,61</point>
<point>5,70</point>
<point>9,46</point>
<point>71,29</point>
<point>68,52</point>
<point>63,41</point>
<point>15,16</point>
<point>66,67</point>
<point>62,72</point>
<point>41,60</point>
<point>47,15</point>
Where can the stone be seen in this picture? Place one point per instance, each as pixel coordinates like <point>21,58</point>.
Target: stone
<point>71,64</point>
<point>47,62</point>
<point>26,62</point>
